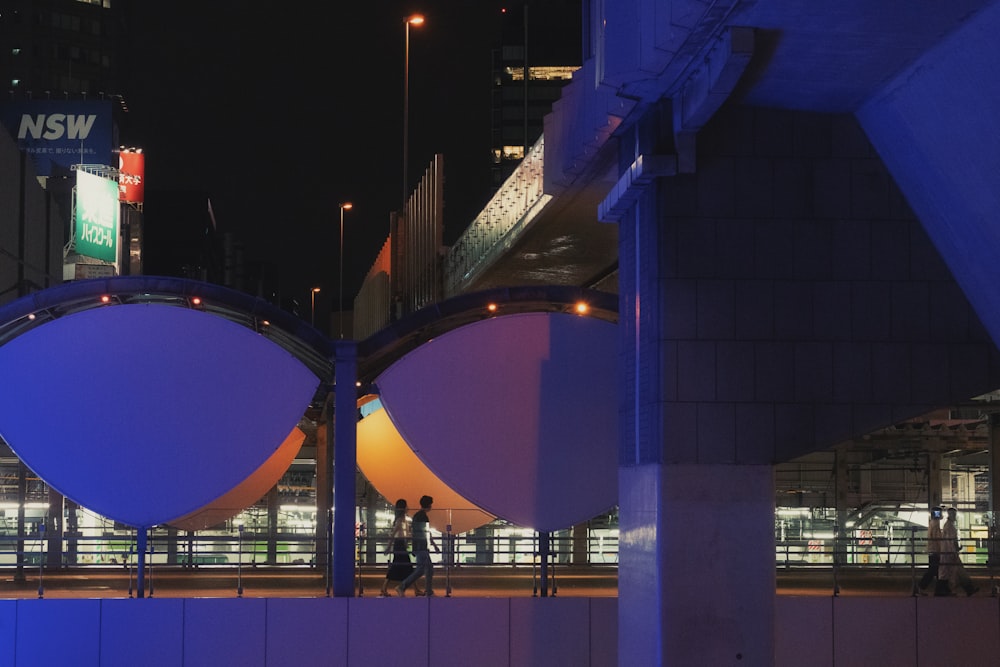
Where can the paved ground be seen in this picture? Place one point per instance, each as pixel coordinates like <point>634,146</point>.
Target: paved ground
<point>877,582</point>
<point>499,581</point>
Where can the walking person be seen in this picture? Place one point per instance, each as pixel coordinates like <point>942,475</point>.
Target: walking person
<point>400,567</point>
<point>951,571</point>
<point>422,540</point>
<point>933,550</point>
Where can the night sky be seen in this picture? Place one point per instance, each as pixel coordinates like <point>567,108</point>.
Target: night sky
<point>280,116</point>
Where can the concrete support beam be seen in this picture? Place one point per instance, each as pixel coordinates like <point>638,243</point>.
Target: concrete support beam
<point>994,487</point>
<point>708,88</point>
<point>639,176</point>
<point>345,460</point>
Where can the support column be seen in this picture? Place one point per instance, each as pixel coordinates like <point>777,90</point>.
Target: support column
<point>371,516</point>
<point>272,525</point>
<point>54,529</point>
<point>22,498</point>
<point>345,465</point>
<point>581,544</point>
<point>324,489</point>
<point>544,540</point>
<point>934,484</point>
<point>140,567</point>
<point>696,485</point>
<point>993,556</point>
<point>171,545</point>
<point>841,542</point>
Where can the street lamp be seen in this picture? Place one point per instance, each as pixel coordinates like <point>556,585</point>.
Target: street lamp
<point>312,306</point>
<point>415,19</point>
<point>343,207</point>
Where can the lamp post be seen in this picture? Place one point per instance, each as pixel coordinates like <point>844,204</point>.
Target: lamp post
<point>415,19</point>
<point>340,299</point>
<point>312,305</point>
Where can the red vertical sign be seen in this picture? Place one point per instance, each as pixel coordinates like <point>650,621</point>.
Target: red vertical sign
<point>131,174</point>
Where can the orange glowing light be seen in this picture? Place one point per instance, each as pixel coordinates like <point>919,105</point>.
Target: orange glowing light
<point>105,298</point>
<point>492,307</point>
<point>416,19</point>
<point>347,205</point>
<point>582,308</point>
<point>196,301</point>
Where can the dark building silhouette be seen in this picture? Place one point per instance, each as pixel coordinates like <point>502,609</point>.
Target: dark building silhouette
<point>538,52</point>
<point>181,237</point>
<point>63,47</point>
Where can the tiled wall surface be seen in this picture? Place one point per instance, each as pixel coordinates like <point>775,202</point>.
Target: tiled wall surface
<point>550,632</point>
<point>245,632</point>
<point>799,301</point>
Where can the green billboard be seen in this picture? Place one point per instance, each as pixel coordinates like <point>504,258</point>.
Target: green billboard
<point>96,216</point>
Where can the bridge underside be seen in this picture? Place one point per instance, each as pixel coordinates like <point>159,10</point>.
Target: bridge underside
<point>805,207</point>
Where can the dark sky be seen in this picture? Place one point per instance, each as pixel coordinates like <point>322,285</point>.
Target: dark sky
<point>280,116</point>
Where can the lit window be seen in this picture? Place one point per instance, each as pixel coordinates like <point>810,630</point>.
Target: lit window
<point>513,152</point>
<point>551,73</point>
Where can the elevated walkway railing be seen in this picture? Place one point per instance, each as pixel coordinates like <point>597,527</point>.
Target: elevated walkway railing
<point>491,234</point>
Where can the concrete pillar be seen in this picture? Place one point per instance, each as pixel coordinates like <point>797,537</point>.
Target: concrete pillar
<point>324,492</point>
<point>934,480</point>
<point>842,543</point>
<point>696,549</point>
<point>171,545</point>
<point>580,544</point>
<point>345,466</point>
<point>272,525</point>
<point>994,551</point>
<point>54,532</point>
<point>22,498</point>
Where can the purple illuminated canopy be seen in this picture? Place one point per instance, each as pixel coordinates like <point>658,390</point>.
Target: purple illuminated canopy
<point>145,412</point>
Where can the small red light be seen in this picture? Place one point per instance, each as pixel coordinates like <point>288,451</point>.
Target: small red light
<point>582,308</point>
<point>491,307</point>
<point>105,298</point>
<point>196,301</point>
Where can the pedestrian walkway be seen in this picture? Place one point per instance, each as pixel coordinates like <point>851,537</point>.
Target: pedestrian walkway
<point>476,581</point>
<point>257,582</point>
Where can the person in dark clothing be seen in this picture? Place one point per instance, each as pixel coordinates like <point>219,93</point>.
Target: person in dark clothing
<point>422,540</point>
<point>401,567</point>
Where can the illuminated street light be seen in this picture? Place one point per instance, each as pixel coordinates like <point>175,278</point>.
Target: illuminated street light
<point>343,207</point>
<point>312,306</point>
<point>415,19</point>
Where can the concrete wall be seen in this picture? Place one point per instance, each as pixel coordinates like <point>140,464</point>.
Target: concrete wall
<point>903,631</point>
<point>803,303</point>
<point>519,632</point>
<point>936,127</point>
<point>443,632</point>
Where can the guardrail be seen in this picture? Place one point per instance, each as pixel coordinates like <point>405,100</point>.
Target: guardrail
<point>256,548</point>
